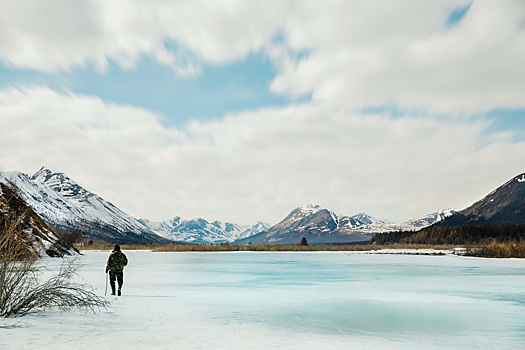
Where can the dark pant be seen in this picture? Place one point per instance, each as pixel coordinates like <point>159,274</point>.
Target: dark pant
<point>116,275</point>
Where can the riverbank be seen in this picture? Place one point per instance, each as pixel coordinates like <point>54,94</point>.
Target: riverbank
<point>486,250</point>
<point>269,247</point>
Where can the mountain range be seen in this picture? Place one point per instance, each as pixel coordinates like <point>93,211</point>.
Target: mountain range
<point>322,226</point>
<point>66,206</point>
<point>200,231</point>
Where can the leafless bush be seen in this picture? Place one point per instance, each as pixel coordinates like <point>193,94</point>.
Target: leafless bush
<point>21,290</point>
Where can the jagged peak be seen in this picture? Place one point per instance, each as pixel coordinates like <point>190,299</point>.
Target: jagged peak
<point>44,170</point>
<point>368,219</point>
<point>45,173</point>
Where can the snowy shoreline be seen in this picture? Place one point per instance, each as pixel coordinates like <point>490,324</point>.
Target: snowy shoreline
<point>436,252</point>
<point>457,252</point>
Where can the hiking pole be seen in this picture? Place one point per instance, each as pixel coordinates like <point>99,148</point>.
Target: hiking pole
<point>106,292</point>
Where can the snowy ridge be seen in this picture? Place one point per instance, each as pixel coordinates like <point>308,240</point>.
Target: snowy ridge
<point>428,220</point>
<point>92,207</point>
<point>322,226</point>
<point>365,223</point>
<point>65,205</point>
<point>46,202</point>
<point>200,231</point>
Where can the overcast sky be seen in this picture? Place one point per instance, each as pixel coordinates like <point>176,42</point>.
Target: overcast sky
<point>243,110</point>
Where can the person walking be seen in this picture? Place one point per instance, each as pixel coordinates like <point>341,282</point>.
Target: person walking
<point>115,266</point>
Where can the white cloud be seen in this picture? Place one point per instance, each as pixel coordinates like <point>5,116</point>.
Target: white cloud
<point>376,53</point>
<point>360,52</point>
<point>56,35</point>
<point>256,165</point>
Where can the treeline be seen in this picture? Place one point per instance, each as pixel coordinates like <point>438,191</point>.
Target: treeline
<point>455,235</point>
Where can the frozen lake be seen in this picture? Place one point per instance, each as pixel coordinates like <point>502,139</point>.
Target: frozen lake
<point>292,301</point>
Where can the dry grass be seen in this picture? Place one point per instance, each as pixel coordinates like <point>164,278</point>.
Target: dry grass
<point>491,249</point>
<point>494,249</point>
<point>258,248</point>
<point>262,247</point>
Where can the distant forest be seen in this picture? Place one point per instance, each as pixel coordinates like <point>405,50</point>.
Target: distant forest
<point>464,234</point>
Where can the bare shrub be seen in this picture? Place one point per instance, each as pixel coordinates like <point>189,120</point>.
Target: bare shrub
<point>21,290</point>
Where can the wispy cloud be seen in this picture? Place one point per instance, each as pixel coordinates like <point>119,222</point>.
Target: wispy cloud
<point>367,55</point>
<point>359,53</point>
<point>57,35</point>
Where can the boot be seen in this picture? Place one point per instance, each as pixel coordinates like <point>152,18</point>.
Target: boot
<point>113,289</point>
<point>119,293</point>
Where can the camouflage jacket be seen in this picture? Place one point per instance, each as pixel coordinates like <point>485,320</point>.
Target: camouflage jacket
<point>116,261</point>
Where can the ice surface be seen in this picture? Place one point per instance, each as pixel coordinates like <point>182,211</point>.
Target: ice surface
<point>335,300</point>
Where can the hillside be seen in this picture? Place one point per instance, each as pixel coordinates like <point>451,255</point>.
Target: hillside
<point>17,218</point>
<point>504,205</point>
<point>500,215</point>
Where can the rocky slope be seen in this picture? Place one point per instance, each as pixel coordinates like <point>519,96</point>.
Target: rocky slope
<point>19,220</point>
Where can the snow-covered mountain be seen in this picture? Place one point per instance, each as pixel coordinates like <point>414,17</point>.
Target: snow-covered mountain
<point>318,225</point>
<point>365,223</point>
<point>200,231</point>
<point>67,206</point>
<point>428,220</point>
<point>321,225</point>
